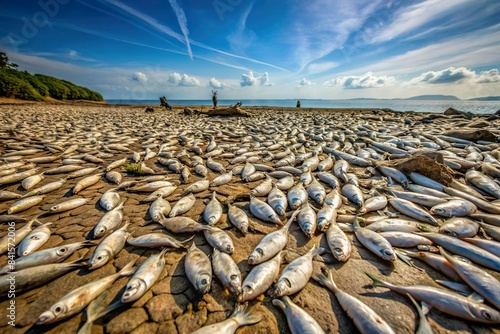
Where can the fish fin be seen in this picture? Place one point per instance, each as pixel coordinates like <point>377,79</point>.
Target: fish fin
<point>186,241</point>
<point>93,310</point>
<point>292,218</point>
<point>356,222</point>
<point>476,297</point>
<point>128,269</point>
<point>425,307</point>
<point>279,303</point>
<point>318,251</point>
<point>117,304</point>
<point>245,316</point>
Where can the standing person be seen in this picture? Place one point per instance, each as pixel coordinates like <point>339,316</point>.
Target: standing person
<point>214,99</point>
<point>298,104</point>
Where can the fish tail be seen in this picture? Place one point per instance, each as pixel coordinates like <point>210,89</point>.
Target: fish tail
<point>93,310</point>
<point>245,316</point>
<point>292,218</point>
<point>279,303</point>
<point>128,269</point>
<point>376,281</point>
<point>326,281</point>
<point>186,241</point>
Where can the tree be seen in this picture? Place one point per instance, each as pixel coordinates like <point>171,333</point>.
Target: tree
<point>4,61</point>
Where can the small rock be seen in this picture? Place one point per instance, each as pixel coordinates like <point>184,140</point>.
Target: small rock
<point>147,328</point>
<point>191,321</point>
<point>451,111</point>
<point>168,327</point>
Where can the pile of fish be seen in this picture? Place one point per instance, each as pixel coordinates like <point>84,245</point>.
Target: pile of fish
<point>268,218</point>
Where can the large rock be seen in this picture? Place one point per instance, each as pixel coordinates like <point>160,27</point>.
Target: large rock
<point>451,111</point>
<point>127,321</point>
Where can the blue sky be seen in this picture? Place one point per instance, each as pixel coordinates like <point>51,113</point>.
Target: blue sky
<point>245,49</point>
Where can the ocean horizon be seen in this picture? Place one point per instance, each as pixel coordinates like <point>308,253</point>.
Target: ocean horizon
<point>431,106</point>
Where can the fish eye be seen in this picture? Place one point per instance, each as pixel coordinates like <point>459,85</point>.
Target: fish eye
<point>233,277</point>
<point>388,252</point>
<point>35,237</point>
<point>204,281</point>
<point>58,309</point>
<point>338,250</point>
<point>287,281</point>
<point>62,250</point>
<point>260,251</point>
<point>486,314</point>
<point>99,257</point>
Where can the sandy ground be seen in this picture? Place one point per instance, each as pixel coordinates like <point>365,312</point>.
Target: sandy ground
<point>172,305</point>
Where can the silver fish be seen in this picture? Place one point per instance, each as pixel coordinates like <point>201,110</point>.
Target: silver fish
<point>34,240</point>
<point>338,243</point>
<point>196,187</point>
<point>412,210</point>
<point>365,319</point>
<point>374,242</point>
<point>307,220</point>
<point>220,240</point>
<point>226,270</point>
<point>109,247</point>
<point>459,227</point>
<point>263,211</point>
<point>144,277</point>
<point>447,302</point>
<point>155,240</point>
<point>222,179</point>
<point>198,269</point>
<point>78,299</point>
<point>238,218</point>
<point>299,321</point>
<point>296,274</point>
<point>260,278</point>
<point>109,200</point>
<point>183,205</point>
<point>159,209</point>
<point>25,204</point>
<point>109,221</point>
<point>297,196</point>
<point>454,208</point>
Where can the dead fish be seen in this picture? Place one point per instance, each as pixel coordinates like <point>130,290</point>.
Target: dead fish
<point>114,177</point>
<point>144,277</point>
<point>271,244</point>
<point>405,239</point>
<point>109,221</point>
<point>307,220</point>
<point>109,199</point>
<point>299,321</point>
<point>46,256</point>
<point>412,210</point>
<point>238,218</point>
<point>374,242</point>
<point>454,208</point>
<point>277,200</point>
<point>86,182</point>
<point>196,187</point>
<point>260,278</point>
<point>78,299</point>
<point>297,196</point>
<point>82,172</point>
<point>264,188</point>
<point>365,319</point>
<point>447,302</point>
<point>159,209</point>
<point>459,227</point>
<point>184,225</point>
<point>116,164</point>
<point>68,205</point>
<point>25,204</point>
<point>213,211</point>
<point>220,240</point>
<point>263,211</point>
<point>32,181</point>
<point>155,240</point>
<point>162,192</point>
<point>109,247</point>
<point>198,269</point>
<point>226,270</point>
<point>34,240</point>
<point>8,195</point>
<point>32,277</point>
<point>241,316</point>
<point>338,243</point>
<point>296,274</point>
<point>183,205</point>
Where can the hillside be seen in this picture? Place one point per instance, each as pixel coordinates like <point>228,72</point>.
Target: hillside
<point>486,98</point>
<point>435,97</point>
<point>15,83</point>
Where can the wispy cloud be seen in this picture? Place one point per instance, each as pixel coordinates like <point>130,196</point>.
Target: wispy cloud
<point>367,80</point>
<point>181,18</point>
<point>241,38</point>
<point>474,49</point>
<point>322,26</point>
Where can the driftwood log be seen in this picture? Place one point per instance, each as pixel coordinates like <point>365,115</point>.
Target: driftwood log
<point>229,111</point>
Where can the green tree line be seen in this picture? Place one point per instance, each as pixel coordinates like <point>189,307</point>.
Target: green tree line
<point>35,87</point>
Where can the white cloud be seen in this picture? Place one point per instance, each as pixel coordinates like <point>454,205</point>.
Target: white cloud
<point>251,80</point>
<point>304,82</point>
<point>183,80</point>
<point>490,76</point>
<point>140,77</point>
<point>456,75</point>
<point>367,80</point>
<point>214,83</point>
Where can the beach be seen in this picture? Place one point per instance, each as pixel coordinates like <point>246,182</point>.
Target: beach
<point>109,133</point>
